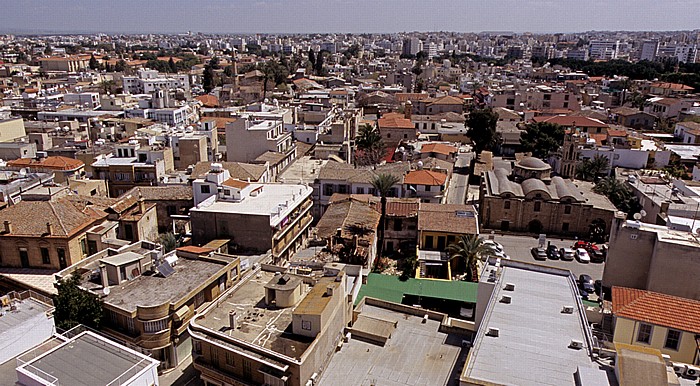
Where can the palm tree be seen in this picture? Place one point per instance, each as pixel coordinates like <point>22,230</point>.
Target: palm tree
<point>382,184</point>
<point>370,146</point>
<point>466,251</point>
<point>589,169</point>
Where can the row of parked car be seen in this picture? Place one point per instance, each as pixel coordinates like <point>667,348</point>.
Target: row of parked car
<point>582,251</point>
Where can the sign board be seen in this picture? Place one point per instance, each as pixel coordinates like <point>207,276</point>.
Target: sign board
<point>542,239</point>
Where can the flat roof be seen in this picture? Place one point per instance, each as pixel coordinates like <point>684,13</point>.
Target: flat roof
<point>393,289</point>
<point>122,258</point>
<point>270,328</point>
<point>88,360</point>
<point>152,290</point>
<point>532,346</point>
<point>27,310</point>
<point>415,354</point>
<point>266,203</point>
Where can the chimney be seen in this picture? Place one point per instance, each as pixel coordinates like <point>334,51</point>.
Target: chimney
<point>49,228</point>
<point>142,206</point>
<point>103,276</point>
<point>232,320</point>
<point>8,227</point>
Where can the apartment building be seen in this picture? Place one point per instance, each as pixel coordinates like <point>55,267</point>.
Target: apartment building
<point>258,141</point>
<point>227,348</point>
<point>256,217</point>
<point>149,297</point>
<point>72,63</point>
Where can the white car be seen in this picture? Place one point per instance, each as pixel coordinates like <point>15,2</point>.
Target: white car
<point>493,244</point>
<point>582,256</point>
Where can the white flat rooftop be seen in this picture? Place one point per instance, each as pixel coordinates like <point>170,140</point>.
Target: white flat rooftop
<point>284,197</point>
<point>534,335</point>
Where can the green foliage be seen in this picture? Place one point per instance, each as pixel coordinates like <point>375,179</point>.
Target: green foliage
<point>168,241</point>
<point>93,63</point>
<point>542,138</point>
<point>619,194</point>
<point>482,129</point>
<point>408,267</point>
<point>465,252</point>
<point>370,146</point>
<point>312,58</point>
<point>318,65</point>
<point>76,306</point>
<point>382,184</point>
<point>589,169</point>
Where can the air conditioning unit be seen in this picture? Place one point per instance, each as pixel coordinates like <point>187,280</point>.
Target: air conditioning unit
<point>493,332</point>
<point>567,310</point>
<point>679,368</point>
<point>575,343</point>
<point>691,371</point>
<point>506,299</point>
<point>509,287</point>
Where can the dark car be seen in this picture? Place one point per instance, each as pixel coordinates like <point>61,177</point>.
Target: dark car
<point>598,287</point>
<point>597,256</point>
<point>586,284</point>
<point>539,253</point>
<point>553,252</point>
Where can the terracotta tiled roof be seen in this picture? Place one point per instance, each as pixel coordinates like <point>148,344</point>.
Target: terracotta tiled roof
<point>66,216</point>
<point>671,86</point>
<point>233,183</point>
<point>425,177</point>
<point>439,148</point>
<point>570,121</point>
<point>656,308</point>
<point>448,218</point>
<point>195,249</point>
<point>52,163</point>
<point>598,137</point>
<point>208,100</point>
<point>406,96</point>
<point>617,133</point>
<point>401,208</point>
<point>448,100</point>
<point>395,123</point>
<point>667,101</point>
<point>162,193</point>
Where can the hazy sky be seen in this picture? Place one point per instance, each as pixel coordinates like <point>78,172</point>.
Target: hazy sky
<point>299,16</point>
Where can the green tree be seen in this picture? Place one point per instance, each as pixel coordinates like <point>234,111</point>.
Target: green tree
<point>48,50</point>
<point>318,65</point>
<point>312,58</point>
<point>120,66</point>
<point>168,241</point>
<point>209,77</point>
<point>76,306</point>
<point>542,138</point>
<point>619,194</point>
<point>482,129</point>
<point>370,146</point>
<point>465,252</point>
<point>382,184</point>
<point>590,169</point>
<point>94,65</point>
<point>171,65</point>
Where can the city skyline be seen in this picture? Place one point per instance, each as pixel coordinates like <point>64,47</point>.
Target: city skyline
<point>316,16</point>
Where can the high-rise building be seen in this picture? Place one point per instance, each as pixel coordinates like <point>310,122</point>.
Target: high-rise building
<point>412,46</point>
<point>604,50</point>
<point>649,50</point>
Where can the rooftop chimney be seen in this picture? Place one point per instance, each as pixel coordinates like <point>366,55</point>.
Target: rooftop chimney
<point>49,228</point>
<point>8,227</point>
<point>407,110</point>
<point>142,206</point>
<point>103,276</point>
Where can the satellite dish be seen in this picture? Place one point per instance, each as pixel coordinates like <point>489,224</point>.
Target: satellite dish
<point>637,216</point>
<point>643,212</point>
<point>23,172</point>
<point>105,291</point>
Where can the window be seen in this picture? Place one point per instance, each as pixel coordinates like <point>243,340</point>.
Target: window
<point>405,136</point>
<point>327,190</point>
<point>197,346</point>
<point>306,325</point>
<point>130,324</point>
<point>171,210</point>
<point>644,333</point>
<point>398,225</point>
<point>673,339</point>
<point>128,232</point>
<point>538,206</point>
<point>388,135</point>
<point>199,299</point>
<point>83,246</point>
<point>428,242</point>
<point>214,355</point>
<point>567,209</point>
<point>155,326</point>
<point>204,189</point>
<point>45,256</point>
<point>230,359</point>
<point>565,227</point>
<point>506,204</point>
<point>360,190</point>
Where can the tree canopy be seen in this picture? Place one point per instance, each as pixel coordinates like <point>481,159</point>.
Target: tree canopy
<point>482,129</point>
<point>542,138</point>
<point>619,194</point>
<point>589,169</point>
<point>76,306</point>
<point>465,252</point>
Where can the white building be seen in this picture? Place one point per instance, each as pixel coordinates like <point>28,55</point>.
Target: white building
<point>604,50</point>
<point>649,50</point>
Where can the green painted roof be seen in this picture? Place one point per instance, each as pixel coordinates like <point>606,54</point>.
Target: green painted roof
<point>392,289</point>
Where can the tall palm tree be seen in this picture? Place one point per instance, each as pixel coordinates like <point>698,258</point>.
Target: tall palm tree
<point>382,184</point>
<point>466,251</point>
<point>589,169</point>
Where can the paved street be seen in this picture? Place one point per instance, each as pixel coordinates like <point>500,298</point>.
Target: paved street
<point>183,375</point>
<point>518,248</point>
<point>459,183</point>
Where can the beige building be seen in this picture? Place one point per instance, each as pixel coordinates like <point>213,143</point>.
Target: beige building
<point>256,217</point>
<point>530,200</point>
<point>66,64</point>
<point>148,298</point>
<point>168,200</point>
<point>650,319</point>
<point>653,258</point>
<point>258,141</point>
<point>191,150</point>
<point>11,129</point>
<point>227,344</point>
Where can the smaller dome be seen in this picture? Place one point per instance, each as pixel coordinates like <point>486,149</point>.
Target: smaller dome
<point>533,163</point>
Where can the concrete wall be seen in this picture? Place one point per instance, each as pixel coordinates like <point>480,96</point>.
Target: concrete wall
<point>249,231</point>
<point>11,129</point>
<point>629,258</point>
<point>626,331</point>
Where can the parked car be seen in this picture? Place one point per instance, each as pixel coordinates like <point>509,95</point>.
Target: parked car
<point>495,245</point>
<point>582,256</point>
<point>585,283</point>
<point>598,287</point>
<point>553,252</point>
<point>567,254</point>
<point>585,245</point>
<point>539,253</point>
<point>597,256</point>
